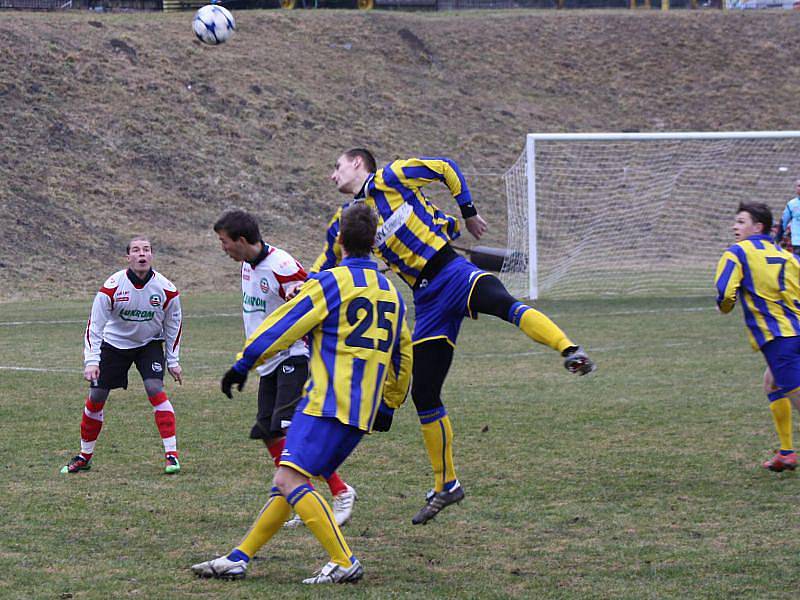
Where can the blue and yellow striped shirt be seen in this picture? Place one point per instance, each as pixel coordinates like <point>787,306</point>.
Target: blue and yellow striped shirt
<point>767,280</point>
<point>360,343</point>
<point>410,228</point>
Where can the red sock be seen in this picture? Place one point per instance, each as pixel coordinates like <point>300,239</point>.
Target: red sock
<point>336,484</point>
<point>90,427</point>
<point>275,450</point>
<point>164,415</point>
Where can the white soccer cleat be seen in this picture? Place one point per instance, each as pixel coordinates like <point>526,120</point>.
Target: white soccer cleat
<point>333,573</point>
<point>221,568</point>
<point>343,505</point>
<point>294,522</point>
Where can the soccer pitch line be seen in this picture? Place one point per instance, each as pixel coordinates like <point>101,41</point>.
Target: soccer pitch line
<point>532,352</point>
<point>619,313</point>
<point>76,321</point>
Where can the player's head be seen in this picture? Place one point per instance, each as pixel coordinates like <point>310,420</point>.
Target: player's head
<point>351,169</point>
<point>237,232</point>
<point>357,229</point>
<point>752,218</point>
<point>139,253</point>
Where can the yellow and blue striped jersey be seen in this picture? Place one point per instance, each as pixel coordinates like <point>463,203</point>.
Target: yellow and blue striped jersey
<point>767,280</point>
<point>354,320</point>
<point>410,228</point>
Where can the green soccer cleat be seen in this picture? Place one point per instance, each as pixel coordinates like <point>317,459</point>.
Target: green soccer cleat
<point>173,466</point>
<point>77,463</point>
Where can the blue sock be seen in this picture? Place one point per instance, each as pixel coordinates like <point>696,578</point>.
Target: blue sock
<point>238,555</point>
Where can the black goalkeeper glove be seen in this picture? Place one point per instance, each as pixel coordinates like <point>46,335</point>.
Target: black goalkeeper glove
<point>383,420</point>
<point>577,361</point>
<point>230,378</point>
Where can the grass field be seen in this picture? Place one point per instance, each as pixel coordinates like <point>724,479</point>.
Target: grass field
<point>641,481</point>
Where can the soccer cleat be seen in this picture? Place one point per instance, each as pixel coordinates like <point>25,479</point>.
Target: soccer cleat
<point>577,361</point>
<point>173,466</point>
<point>221,568</point>
<point>333,573</point>
<point>343,505</point>
<point>436,502</point>
<point>781,462</point>
<point>294,522</point>
<point>77,463</point>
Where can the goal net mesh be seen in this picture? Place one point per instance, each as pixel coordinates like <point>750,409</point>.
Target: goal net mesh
<point>638,217</point>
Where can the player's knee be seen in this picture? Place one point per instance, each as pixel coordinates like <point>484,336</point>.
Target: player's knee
<point>287,479</point>
<point>491,297</point>
<point>98,395</point>
<point>153,387</point>
<point>425,398</point>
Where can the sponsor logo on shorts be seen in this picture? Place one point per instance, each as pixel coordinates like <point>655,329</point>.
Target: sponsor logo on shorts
<point>264,285</point>
<point>155,300</point>
<point>286,453</point>
<point>285,424</point>
<point>423,283</point>
<point>287,369</point>
<point>156,366</point>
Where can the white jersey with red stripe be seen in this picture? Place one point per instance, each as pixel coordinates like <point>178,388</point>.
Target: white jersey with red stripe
<point>264,288</point>
<point>131,315</point>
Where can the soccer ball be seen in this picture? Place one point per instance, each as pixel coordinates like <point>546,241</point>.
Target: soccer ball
<point>213,24</point>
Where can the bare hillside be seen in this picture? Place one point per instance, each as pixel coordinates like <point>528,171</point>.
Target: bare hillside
<point>122,123</point>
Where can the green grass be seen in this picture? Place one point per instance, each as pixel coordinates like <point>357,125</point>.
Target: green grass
<point>642,481</point>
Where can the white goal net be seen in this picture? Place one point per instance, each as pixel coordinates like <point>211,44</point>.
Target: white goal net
<point>636,214</point>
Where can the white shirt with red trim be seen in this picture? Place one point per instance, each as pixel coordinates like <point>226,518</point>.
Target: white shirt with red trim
<point>127,315</point>
<point>264,289</point>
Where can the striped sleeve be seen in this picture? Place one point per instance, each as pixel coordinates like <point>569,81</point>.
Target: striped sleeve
<point>398,377</point>
<point>416,172</point>
<point>284,326</point>
<point>332,253</point>
<point>727,280</point>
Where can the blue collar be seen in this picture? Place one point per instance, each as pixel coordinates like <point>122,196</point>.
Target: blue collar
<point>761,236</point>
<point>360,263</point>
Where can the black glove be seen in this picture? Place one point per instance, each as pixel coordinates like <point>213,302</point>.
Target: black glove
<point>232,377</point>
<point>383,420</point>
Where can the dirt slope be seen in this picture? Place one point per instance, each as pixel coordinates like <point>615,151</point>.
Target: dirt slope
<point>121,123</point>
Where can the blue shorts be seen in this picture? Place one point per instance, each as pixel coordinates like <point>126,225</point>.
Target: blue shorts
<point>440,307</point>
<point>316,446</point>
<point>783,357</point>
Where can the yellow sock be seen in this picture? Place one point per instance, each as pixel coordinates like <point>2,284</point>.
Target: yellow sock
<point>438,436</point>
<point>782,416</point>
<point>269,521</point>
<point>318,517</point>
<point>539,327</point>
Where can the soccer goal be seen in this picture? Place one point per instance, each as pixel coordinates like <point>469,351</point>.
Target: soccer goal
<point>613,214</point>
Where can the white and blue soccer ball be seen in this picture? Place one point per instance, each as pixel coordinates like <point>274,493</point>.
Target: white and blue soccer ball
<point>213,24</point>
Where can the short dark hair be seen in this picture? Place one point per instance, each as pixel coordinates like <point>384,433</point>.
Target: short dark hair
<point>365,155</point>
<point>237,224</point>
<point>357,229</point>
<point>759,212</point>
<point>137,238</point>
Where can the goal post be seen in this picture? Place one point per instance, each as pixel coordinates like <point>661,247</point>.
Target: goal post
<point>613,214</point>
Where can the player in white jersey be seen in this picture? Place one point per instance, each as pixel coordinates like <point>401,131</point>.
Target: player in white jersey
<point>135,318</point>
<point>269,274</point>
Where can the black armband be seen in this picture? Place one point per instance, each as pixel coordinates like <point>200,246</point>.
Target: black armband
<point>468,210</point>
